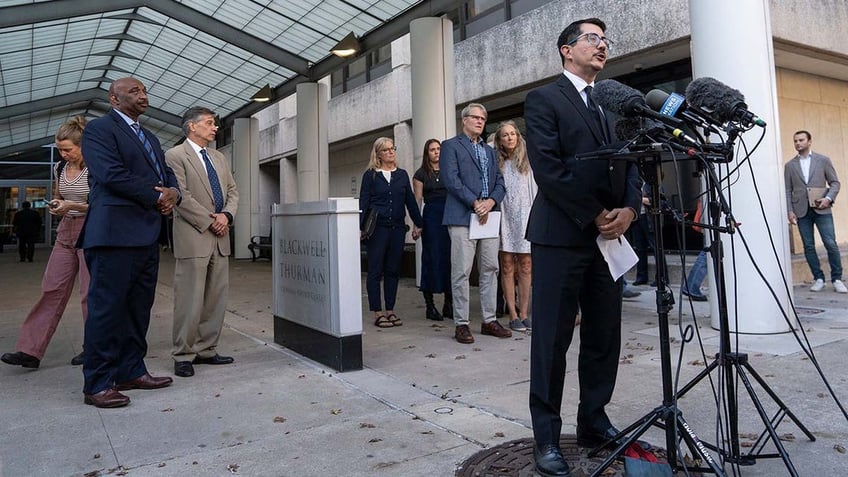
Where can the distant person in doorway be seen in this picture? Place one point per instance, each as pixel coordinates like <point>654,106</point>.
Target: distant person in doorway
<point>27,226</point>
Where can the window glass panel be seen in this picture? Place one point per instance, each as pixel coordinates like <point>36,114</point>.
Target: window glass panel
<point>478,7</point>
<point>357,67</point>
<point>485,21</point>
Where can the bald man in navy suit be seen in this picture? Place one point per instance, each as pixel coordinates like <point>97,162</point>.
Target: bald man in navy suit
<point>132,192</point>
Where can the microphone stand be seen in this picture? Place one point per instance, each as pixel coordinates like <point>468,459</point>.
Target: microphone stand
<point>666,416</point>
<point>735,364</point>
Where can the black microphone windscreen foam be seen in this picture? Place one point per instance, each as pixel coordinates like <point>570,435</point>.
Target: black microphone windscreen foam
<point>713,96</point>
<point>615,97</point>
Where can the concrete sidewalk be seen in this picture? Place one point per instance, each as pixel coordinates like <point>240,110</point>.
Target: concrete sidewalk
<point>422,405</point>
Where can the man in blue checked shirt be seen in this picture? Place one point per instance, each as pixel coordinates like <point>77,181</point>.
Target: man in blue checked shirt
<point>475,188</point>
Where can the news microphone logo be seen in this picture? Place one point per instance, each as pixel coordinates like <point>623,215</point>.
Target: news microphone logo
<point>673,103</point>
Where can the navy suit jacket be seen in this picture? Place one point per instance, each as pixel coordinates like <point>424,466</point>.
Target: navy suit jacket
<point>463,178</point>
<point>572,192</point>
<point>122,203</point>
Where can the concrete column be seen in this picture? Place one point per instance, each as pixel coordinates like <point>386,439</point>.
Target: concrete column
<point>288,181</point>
<point>732,42</point>
<point>246,173</point>
<point>313,178</point>
<point>433,86</point>
<point>405,153</point>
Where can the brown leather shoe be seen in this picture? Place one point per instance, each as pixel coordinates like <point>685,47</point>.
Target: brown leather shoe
<point>463,334</point>
<point>146,381</point>
<point>494,328</point>
<point>107,398</point>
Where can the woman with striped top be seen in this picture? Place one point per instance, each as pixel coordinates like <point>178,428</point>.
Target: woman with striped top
<point>70,192</point>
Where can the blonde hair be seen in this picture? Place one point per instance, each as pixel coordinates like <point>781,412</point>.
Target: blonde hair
<point>375,162</point>
<point>71,130</point>
<point>519,155</point>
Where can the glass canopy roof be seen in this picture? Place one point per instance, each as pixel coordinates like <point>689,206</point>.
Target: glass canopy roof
<point>58,57</point>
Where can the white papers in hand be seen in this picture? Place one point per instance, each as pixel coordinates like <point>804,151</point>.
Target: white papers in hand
<point>491,229</point>
<point>619,255</point>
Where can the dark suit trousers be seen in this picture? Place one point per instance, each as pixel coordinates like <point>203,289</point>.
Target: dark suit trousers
<point>384,253</point>
<point>123,286</point>
<point>26,248</point>
<point>562,278</point>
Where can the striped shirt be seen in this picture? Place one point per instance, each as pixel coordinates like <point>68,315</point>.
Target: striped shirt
<point>75,190</point>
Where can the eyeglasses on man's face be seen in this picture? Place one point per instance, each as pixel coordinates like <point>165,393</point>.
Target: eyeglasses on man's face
<point>593,39</point>
<point>387,149</point>
<point>476,118</point>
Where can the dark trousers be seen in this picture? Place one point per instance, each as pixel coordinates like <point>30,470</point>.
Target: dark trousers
<point>563,278</point>
<point>120,296</point>
<point>384,252</point>
<point>26,248</point>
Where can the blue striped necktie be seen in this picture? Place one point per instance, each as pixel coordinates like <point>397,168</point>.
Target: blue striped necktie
<point>217,193</point>
<point>149,148</point>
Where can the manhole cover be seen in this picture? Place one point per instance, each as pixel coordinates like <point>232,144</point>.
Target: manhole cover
<point>515,459</point>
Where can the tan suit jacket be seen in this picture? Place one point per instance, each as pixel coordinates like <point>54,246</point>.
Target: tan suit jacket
<point>201,274</point>
<point>822,175</point>
<point>192,237</point>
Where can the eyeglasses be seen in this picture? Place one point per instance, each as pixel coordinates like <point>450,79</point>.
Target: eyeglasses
<point>593,39</point>
<point>475,117</point>
<point>393,148</point>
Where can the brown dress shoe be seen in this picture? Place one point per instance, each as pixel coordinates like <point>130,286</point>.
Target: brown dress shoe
<point>494,328</point>
<point>463,334</point>
<point>106,399</point>
<point>146,381</point>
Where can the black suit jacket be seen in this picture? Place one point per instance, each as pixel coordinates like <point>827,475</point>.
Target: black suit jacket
<point>572,192</point>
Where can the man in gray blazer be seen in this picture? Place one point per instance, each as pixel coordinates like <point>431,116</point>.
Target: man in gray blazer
<point>475,187</point>
<point>201,243</point>
<point>811,188</point>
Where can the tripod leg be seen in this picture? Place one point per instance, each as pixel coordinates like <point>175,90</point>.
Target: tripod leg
<point>691,384</point>
<point>695,445</point>
<point>641,426</point>
<point>769,427</point>
<point>778,401</point>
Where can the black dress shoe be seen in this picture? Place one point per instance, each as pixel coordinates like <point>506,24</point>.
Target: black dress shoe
<point>78,359</point>
<point>550,462</point>
<point>217,359</point>
<point>594,437</point>
<point>640,282</point>
<point>19,358</point>
<point>183,369</point>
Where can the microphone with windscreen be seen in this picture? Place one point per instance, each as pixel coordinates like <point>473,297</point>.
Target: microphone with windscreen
<point>721,102</point>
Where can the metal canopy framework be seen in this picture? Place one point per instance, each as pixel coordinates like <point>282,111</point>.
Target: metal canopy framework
<point>58,58</point>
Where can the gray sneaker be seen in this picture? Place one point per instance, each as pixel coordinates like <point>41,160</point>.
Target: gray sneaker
<point>517,325</point>
<point>527,323</point>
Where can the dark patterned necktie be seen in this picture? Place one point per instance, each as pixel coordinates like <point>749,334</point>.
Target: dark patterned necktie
<point>217,194</point>
<point>149,148</point>
<point>596,114</point>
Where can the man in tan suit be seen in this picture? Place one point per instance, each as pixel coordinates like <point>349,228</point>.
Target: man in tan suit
<point>811,188</point>
<point>201,243</point>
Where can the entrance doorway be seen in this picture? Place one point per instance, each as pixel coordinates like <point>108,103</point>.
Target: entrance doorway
<point>12,196</point>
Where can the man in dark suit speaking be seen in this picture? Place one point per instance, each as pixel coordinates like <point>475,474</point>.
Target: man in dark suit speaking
<point>577,201</point>
<point>132,190</point>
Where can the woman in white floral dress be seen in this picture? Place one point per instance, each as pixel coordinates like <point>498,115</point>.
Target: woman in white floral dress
<point>515,212</point>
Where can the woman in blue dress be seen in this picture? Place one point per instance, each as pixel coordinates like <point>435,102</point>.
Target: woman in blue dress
<point>435,242</point>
